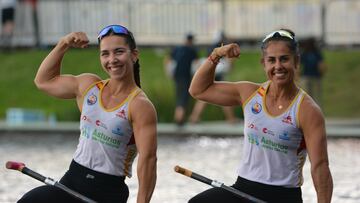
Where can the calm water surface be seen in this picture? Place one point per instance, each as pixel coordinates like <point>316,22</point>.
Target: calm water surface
<point>216,158</point>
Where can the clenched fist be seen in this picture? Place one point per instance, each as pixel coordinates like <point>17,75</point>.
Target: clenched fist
<point>230,51</point>
<point>76,39</point>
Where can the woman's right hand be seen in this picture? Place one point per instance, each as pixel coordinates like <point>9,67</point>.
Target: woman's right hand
<point>230,51</point>
<point>76,40</point>
<point>49,78</point>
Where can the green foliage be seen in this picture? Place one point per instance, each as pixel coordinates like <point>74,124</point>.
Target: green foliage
<point>341,83</point>
<point>19,68</point>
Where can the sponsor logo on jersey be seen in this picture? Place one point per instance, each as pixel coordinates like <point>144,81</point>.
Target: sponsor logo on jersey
<point>85,132</point>
<point>117,131</point>
<point>284,136</point>
<point>121,114</point>
<point>253,139</point>
<point>274,146</point>
<point>287,119</point>
<point>267,131</point>
<point>100,124</point>
<point>256,108</point>
<point>85,118</point>
<point>106,140</point>
<point>252,126</point>
<point>92,99</point>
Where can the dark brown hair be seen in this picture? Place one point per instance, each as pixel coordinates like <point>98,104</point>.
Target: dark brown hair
<point>130,40</point>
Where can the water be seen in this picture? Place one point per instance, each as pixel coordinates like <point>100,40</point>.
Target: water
<point>215,158</point>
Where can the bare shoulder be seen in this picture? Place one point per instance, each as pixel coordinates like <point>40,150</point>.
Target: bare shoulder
<point>85,80</point>
<point>247,85</point>
<point>246,89</point>
<point>141,99</point>
<point>141,105</point>
<point>88,78</point>
<point>310,113</point>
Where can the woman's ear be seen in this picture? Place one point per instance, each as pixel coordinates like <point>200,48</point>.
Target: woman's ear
<point>262,61</point>
<point>134,55</point>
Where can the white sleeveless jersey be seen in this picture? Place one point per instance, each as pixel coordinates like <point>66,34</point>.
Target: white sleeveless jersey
<point>106,142</point>
<point>274,149</point>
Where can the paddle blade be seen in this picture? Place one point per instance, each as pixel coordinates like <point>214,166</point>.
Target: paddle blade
<point>15,165</point>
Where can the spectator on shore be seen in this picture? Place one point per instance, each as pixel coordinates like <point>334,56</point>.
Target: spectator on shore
<point>182,58</point>
<point>224,67</point>
<point>313,69</point>
<point>7,23</point>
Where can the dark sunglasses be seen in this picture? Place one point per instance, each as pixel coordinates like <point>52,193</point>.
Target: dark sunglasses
<point>279,33</point>
<point>117,29</point>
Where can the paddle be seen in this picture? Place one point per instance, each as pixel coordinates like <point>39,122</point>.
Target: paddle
<point>49,181</point>
<point>216,183</point>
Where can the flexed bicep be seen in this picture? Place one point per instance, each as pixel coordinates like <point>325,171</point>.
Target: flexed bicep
<point>61,86</point>
<point>221,93</point>
<point>68,86</point>
<point>48,77</point>
<point>228,93</point>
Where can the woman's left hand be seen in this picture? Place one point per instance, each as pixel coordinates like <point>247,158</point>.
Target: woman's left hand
<point>230,51</point>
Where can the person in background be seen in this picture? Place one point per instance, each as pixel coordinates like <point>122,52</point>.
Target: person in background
<point>7,22</point>
<point>182,58</point>
<point>282,125</point>
<point>224,66</point>
<point>313,69</point>
<point>112,123</point>
<point>35,21</point>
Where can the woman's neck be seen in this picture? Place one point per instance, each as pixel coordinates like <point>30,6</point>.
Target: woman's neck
<point>120,87</point>
<point>285,91</point>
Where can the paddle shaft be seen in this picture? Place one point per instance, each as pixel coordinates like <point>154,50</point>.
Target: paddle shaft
<point>216,183</point>
<point>49,181</point>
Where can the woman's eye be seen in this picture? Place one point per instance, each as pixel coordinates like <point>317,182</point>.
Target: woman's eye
<point>119,51</point>
<point>271,60</point>
<point>284,59</point>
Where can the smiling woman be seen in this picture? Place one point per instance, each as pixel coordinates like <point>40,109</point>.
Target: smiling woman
<point>113,56</point>
<point>113,128</point>
<point>272,164</point>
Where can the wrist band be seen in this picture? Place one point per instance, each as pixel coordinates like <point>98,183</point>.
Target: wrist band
<point>214,61</point>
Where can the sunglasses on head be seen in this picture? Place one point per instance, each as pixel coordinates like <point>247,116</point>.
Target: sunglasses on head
<point>116,29</point>
<point>278,33</point>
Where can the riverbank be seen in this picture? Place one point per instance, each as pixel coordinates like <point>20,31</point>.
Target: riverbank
<point>334,128</point>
